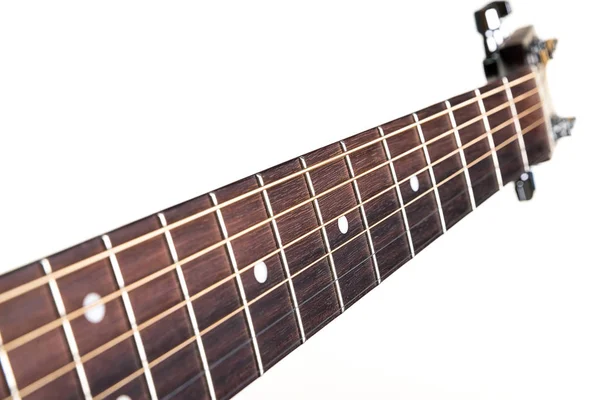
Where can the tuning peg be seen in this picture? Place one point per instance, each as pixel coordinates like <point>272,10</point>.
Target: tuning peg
<point>489,21</point>
<point>542,51</point>
<point>562,127</point>
<point>525,186</point>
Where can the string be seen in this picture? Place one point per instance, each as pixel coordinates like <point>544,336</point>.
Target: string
<point>190,340</point>
<point>77,313</point>
<point>19,290</point>
<point>58,373</point>
<point>112,296</point>
<point>333,314</point>
<point>61,371</point>
<point>134,375</point>
<point>99,350</point>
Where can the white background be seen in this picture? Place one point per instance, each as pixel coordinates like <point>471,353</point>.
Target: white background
<point>110,111</point>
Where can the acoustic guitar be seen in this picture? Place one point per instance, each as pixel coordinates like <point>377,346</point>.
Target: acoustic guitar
<point>199,300</point>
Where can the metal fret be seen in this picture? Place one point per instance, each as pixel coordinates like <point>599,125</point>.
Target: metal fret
<point>323,232</point>
<point>515,115</point>
<point>431,174</point>
<point>239,283</point>
<point>190,308</point>
<point>362,211</point>
<point>60,307</point>
<point>267,202</point>
<point>398,193</point>
<point>8,372</point>
<point>131,316</point>
<point>486,124</point>
<point>463,160</point>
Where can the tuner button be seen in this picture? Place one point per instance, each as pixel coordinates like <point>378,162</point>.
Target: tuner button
<point>525,186</point>
<point>489,22</point>
<point>488,18</point>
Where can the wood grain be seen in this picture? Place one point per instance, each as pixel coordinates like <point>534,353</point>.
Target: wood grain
<point>369,247</point>
<point>422,214</point>
<point>228,346</point>
<point>454,195</point>
<point>353,263</point>
<point>483,177</point>
<point>389,238</point>
<point>511,166</point>
<point>315,289</point>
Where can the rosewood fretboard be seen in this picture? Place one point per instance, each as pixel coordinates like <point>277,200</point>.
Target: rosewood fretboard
<point>199,300</point>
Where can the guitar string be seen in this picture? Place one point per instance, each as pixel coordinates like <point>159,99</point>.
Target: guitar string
<point>509,121</point>
<point>21,289</point>
<point>334,314</point>
<point>61,371</point>
<point>182,345</point>
<point>117,294</point>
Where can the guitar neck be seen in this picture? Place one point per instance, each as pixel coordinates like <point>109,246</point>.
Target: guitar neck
<point>201,299</point>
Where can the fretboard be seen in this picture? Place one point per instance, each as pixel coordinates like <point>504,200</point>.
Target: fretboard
<point>199,300</point>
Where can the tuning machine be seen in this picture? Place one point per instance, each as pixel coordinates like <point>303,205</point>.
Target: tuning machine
<point>562,127</point>
<point>505,53</point>
<point>525,186</point>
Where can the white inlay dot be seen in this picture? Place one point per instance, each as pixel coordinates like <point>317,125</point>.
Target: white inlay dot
<point>123,397</point>
<point>343,224</point>
<point>260,272</point>
<point>414,183</point>
<point>96,313</point>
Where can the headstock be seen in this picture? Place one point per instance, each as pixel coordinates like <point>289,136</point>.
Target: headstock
<point>506,53</point>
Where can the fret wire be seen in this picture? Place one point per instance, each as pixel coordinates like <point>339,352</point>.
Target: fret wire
<point>398,193</point>
<point>513,110</point>
<point>360,233</point>
<point>486,124</point>
<point>330,318</point>
<point>362,211</point>
<point>286,267</point>
<point>323,232</point>
<point>190,308</point>
<point>29,336</point>
<point>66,324</point>
<point>240,285</point>
<point>206,330</point>
<point>152,364</point>
<point>508,141</point>
<point>431,174</point>
<point>133,242</point>
<point>139,344</point>
<point>463,159</point>
<point>358,295</point>
<point>7,370</point>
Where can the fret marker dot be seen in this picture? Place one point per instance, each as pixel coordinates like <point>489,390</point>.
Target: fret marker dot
<point>96,313</point>
<point>123,397</point>
<point>414,183</point>
<point>343,224</point>
<point>260,272</point>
